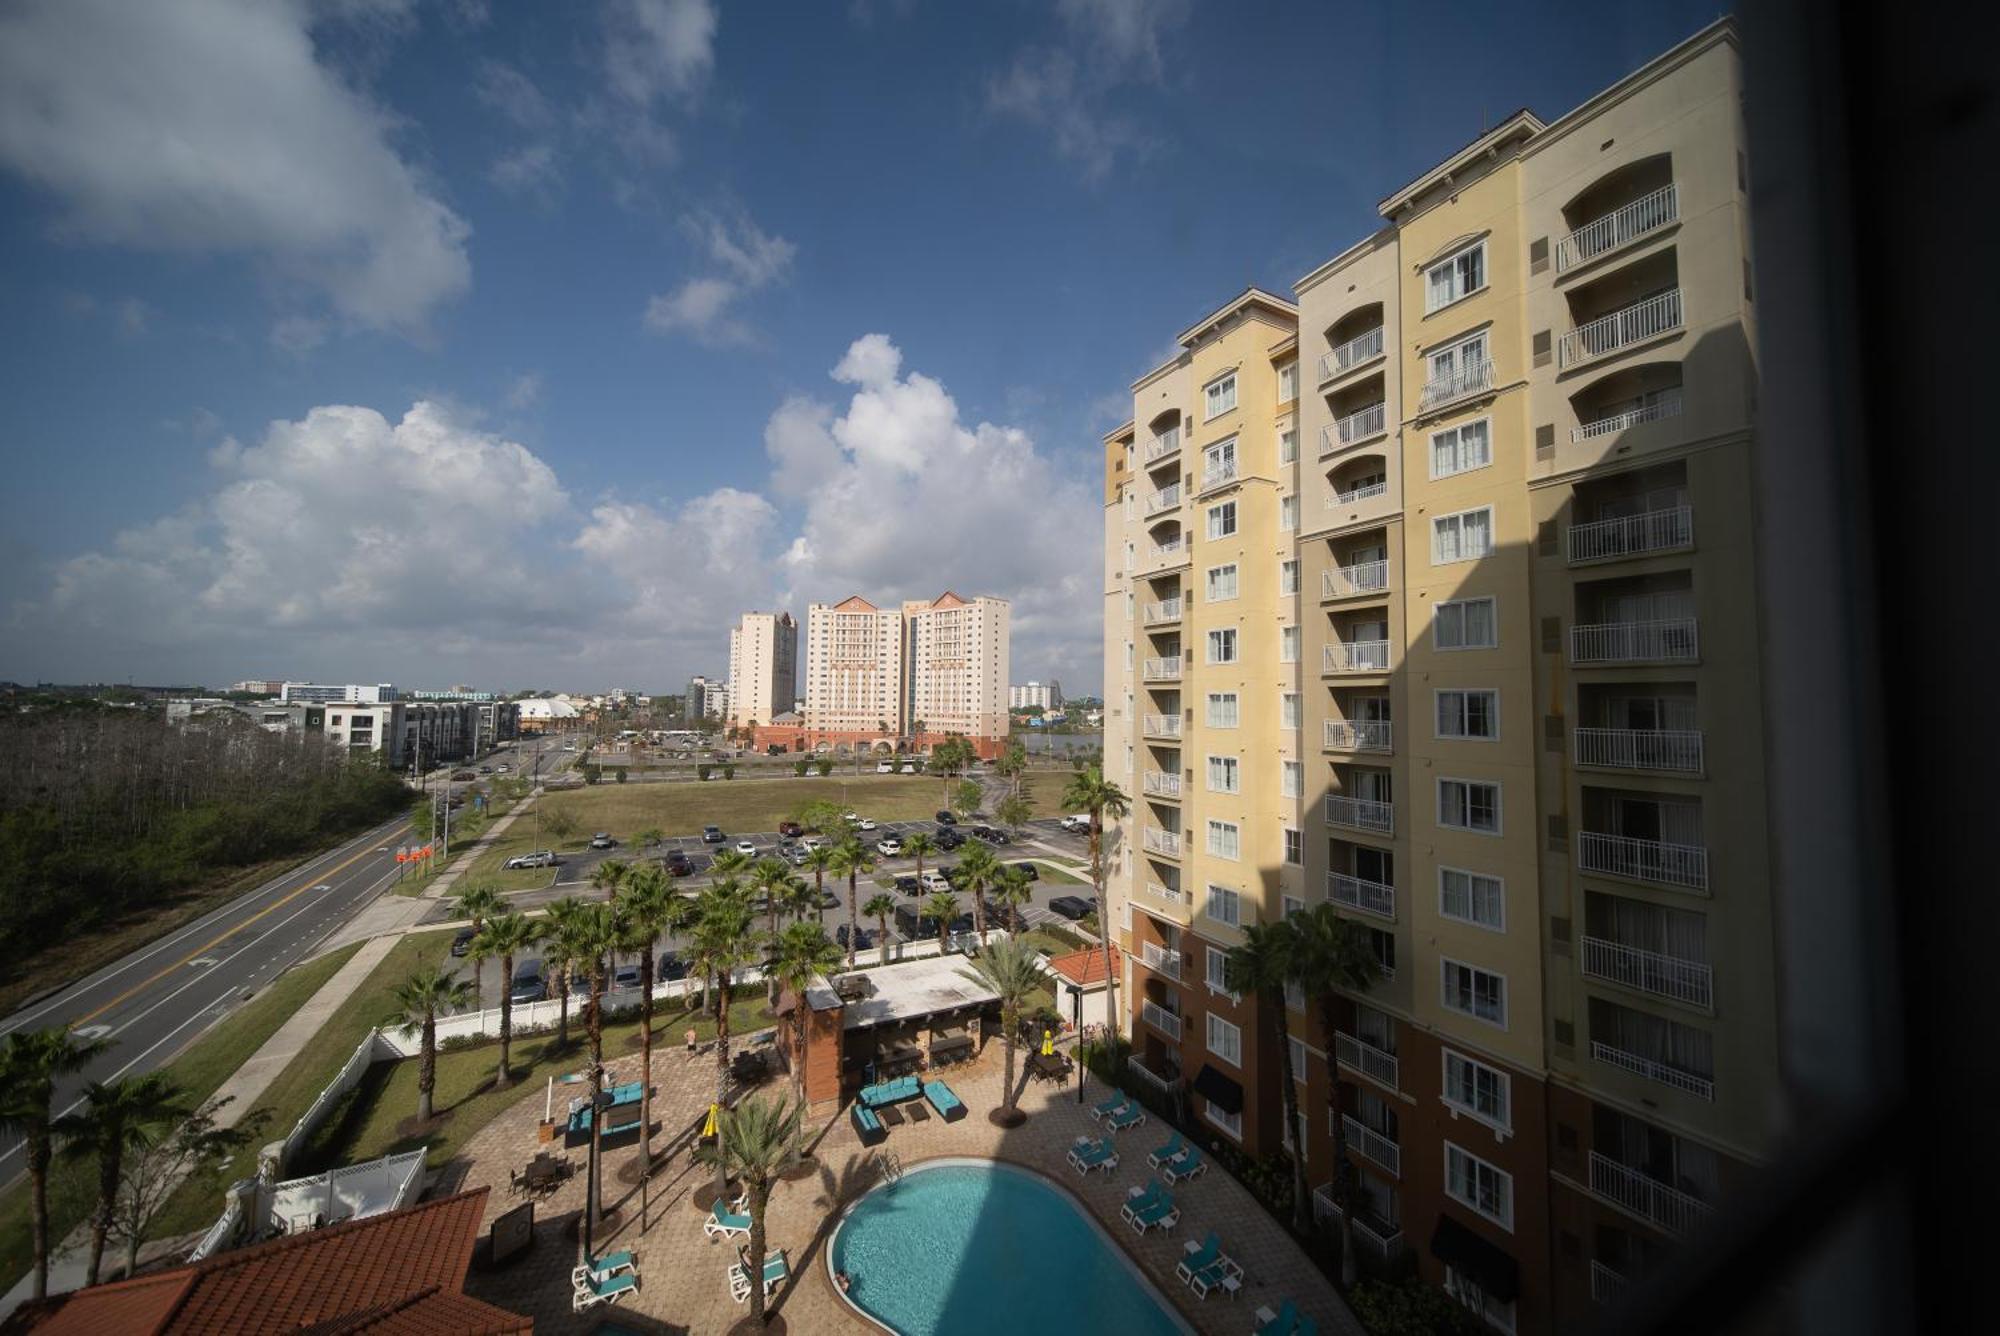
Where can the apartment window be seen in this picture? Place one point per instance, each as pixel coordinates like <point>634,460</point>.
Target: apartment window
<point>1479,1091</point>
<point>1472,897</point>
<point>1231,1123</point>
<point>1469,714</point>
<point>1288,711</point>
<point>1221,582</point>
<point>1471,991</point>
<point>1295,848</point>
<point>1288,514</point>
<point>1382,946</point>
<point>1222,520</point>
<point>1291,779</point>
<point>1298,1048</point>
<point>1465,536</point>
<point>1288,446</point>
<point>1289,905</point>
<point>1495,1312</point>
<point>1288,577</point>
<point>1220,394</point>
<point>1467,623</point>
<point>1485,1188</point>
<point>1225,1040</point>
<point>1288,383</point>
<point>1216,973</point>
<point>1458,276</point>
<point>1288,644</point>
<point>1222,645</point>
<point>1461,449</point>
<point>1222,774</point>
<point>1222,709</point>
<point>1224,839</point>
<point>1469,804</point>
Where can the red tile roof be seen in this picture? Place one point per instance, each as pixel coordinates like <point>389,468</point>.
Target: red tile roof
<point>399,1274</point>
<point>1084,968</point>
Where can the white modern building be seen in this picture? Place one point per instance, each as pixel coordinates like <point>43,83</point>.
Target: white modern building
<point>854,671</point>
<point>763,667</point>
<point>1035,696</point>
<point>312,693</point>
<point>956,668</point>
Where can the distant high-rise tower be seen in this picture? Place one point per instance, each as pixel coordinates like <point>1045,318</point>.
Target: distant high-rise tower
<point>763,667</point>
<point>956,673</point>
<point>854,672</point>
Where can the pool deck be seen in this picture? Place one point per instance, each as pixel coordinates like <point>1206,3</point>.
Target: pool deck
<point>682,1285</point>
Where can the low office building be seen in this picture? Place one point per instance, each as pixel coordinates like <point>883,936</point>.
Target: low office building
<point>351,694</point>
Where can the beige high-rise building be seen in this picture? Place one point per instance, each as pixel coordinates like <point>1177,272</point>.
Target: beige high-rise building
<point>957,668</point>
<point>763,667</point>
<point>854,673</point>
<point>1517,547</point>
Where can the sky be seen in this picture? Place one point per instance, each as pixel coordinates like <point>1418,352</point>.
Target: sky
<point>525,345</point>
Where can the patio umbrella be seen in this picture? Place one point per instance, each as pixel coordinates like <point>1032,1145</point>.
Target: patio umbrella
<point>1048,1043</point>
<point>708,1128</point>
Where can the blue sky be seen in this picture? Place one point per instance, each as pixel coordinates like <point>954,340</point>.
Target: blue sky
<point>523,344</point>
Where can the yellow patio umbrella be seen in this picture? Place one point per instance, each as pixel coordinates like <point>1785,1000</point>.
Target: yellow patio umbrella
<point>708,1128</point>
<point>1048,1043</point>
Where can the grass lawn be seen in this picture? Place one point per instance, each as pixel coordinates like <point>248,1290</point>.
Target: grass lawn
<point>1055,876</point>
<point>200,1069</point>
<point>1043,789</point>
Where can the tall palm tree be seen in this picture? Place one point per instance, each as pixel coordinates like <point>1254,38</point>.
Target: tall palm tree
<point>609,875</point>
<point>723,940</point>
<point>880,908</point>
<point>850,860</point>
<point>756,1141</point>
<point>943,907</point>
<point>559,959</point>
<point>1013,891</point>
<point>1089,791</point>
<point>820,860</point>
<point>1013,969</point>
<point>597,934</point>
<point>649,908</point>
<point>505,937</point>
<point>419,999</point>
<point>804,952</point>
<point>477,904</point>
<point>730,863</point>
<point>978,872</point>
<point>1332,955</point>
<point>798,899</point>
<point>1264,964</point>
<point>916,844</point>
<point>769,878</point>
<point>118,1117</point>
<point>31,1063</point>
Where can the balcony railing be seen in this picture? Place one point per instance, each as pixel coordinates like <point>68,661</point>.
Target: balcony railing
<point>1666,405</point>
<point>1605,1284</point>
<point>1370,897</point>
<point>1621,329</point>
<point>1173,550</point>
<point>1162,785</point>
<point>1164,669</point>
<point>1217,473</point>
<point>1166,443</point>
<point>1166,842</point>
<point>1668,640</point>
<point>1665,976</point>
<point>1360,814</point>
<point>1363,577</point>
<point>1632,535</point>
<point>1353,429</point>
<point>1162,1083</point>
<point>1684,865</point>
<point>1653,1069</point>
<point>1355,495</point>
<point>1163,726</point>
<point>1166,610</point>
<point>1169,894</point>
<point>1166,1022</point>
<point>1361,1056</point>
<point>1374,735</point>
<point>1373,1145</point>
<point>1674,751</point>
<point>1343,359</point>
<point>1381,1238</point>
<point>1355,656</point>
<point>1648,213</point>
<point>1167,498</point>
<point>1668,1207</point>
<point>1475,378</point>
<point>1160,960</point>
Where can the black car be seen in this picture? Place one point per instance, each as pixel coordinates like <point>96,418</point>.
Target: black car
<point>1070,907</point>
<point>712,835</point>
<point>672,966</point>
<point>828,900</point>
<point>947,838</point>
<point>678,864</point>
<point>909,886</point>
<point>991,834</point>
<point>463,942</point>
<point>945,818</point>
<point>1029,870</point>
<point>863,939</point>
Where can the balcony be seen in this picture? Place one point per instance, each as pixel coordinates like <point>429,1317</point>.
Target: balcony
<point>1355,656</point>
<point>1666,751</point>
<point>1169,894</point>
<point>1166,669</point>
<point>1161,961</point>
<point>1653,1069</point>
<point>1666,1207</point>
<point>1357,581</point>
<point>1668,640</point>
<point>1475,378</point>
<point>1173,552</point>
<point>1372,1144</point>
<point>1632,535</point>
<point>1353,429</point>
<point>1162,1083</point>
<point>1218,472</point>
<point>1164,842</point>
<point>1605,1284</point>
<point>1601,236</point>
<point>1166,610</point>
<point>1358,1055</point>
<point>1666,405</point>
<point>1369,735</point>
<point>1379,1237</point>
<point>1665,976</point>
<point>1682,865</point>
<point>1360,814</point>
<point>1159,784</point>
<point>1648,319</point>
<point>1370,897</point>
<point>1166,1022</point>
<point>1167,498</point>
<point>1163,726</point>
<point>1357,351</point>
<point>1163,446</point>
<point>1367,491</point>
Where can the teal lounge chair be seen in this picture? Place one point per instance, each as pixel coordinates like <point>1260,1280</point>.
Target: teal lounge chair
<point>775,1273</point>
<point>1132,1117</point>
<point>1171,1151</point>
<point>1096,1155</point>
<point>1199,1257</point>
<point>1116,1104</point>
<point>1306,1327</point>
<point>1280,1325</point>
<point>589,1293</point>
<point>1162,1214</point>
<point>723,1221</point>
<point>612,1264</point>
<point>1187,1166</point>
<point>1140,1199</point>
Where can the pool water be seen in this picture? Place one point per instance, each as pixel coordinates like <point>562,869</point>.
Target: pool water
<point>967,1247</point>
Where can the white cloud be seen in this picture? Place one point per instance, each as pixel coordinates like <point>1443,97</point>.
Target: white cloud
<point>514,95</point>
<point>682,571</point>
<point>734,241</point>
<point>703,307</point>
<point>528,170</point>
<point>211,127</point>
<point>658,48</point>
<point>698,308</point>
<point>298,334</point>
<point>524,392</point>
<point>1071,90</point>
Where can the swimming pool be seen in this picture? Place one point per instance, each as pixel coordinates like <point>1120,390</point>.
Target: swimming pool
<point>967,1247</point>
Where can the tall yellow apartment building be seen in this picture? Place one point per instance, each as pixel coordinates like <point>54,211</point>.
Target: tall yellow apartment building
<point>1430,596</point>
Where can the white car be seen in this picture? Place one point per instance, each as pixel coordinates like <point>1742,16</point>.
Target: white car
<point>864,824</point>
<point>1078,822</point>
<point>849,817</point>
<point>890,847</point>
<point>813,842</point>
<point>746,848</point>
<point>885,767</point>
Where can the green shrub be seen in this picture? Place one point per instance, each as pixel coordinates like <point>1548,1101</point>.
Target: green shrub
<point>729,772</point>
<point>825,767</point>
<point>1409,1307</point>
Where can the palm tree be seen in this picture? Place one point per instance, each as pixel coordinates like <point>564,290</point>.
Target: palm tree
<point>797,898</point>
<point>820,860</point>
<point>1332,954</point>
<point>609,875</point>
<point>30,1065</point>
<point>652,837</point>
<point>478,904</point>
<point>119,1117</point>
<point>880,908</point>
<point>724,940</point>
<point>850,860</point>
<point>942,906</point>
<point>419,999</point>
<point>1013,969</point>
<point>769,878</point>
<point>506,936</point>
<point>649,908</point>
<point>1013,891</point>
<point>730,863</point>
<point>559,958</point>
<point>1009,765</point>
<point>597,933</point>
<point>1264,964</point>
<point>1089,791</point>
<point>803,953</point>
<point>916,844</point>
<point>978,870</point>
<point>756,1141</point>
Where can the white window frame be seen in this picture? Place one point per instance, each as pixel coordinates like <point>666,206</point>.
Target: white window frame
<point>1231,1035</point>
<point>1215,965</point>
<point>1457,432</point>
<point>1224,384</point>
<point>1230,1123</point>
<point>1471,899</point>
<point>1438,695</point>
<point>1289,712</point>
<point>1293,847</point>
<point>1214,639</point>
<point>1288,379</point>
<point>1446,993</point>
<point>1298,1048</point>
<point>1502,1121</point>
<point>1221,521</point>
<point>1457,519</point>
<point>1499,823</point>
<point>1230,770</point>
<point>1291,779</point>
<point>1288,513</point>
<point>1288,444</point>
<point>1492,622</point>
<point>1499,1314</point>
<point>1288,644</point>
<point>1235,833</point>
<point>1215,699</point>
<point>1212,582</point>
<point>1288,576</point>
<point>1432,303</point>
<point>1503,1182</point>
<point>1210,454</point>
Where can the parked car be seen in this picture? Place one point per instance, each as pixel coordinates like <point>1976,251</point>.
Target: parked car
<point>539,858</point>
<point>485,769</point>
<point>937,879</point>
<point>909,768</point>
<point>889,847</point>
<point>746,848</point>
<point>712,835</point>
<point>1030,871</point>
<point>1070,907</point>
<point>602,840</point>
<point>625,976</point>
<point>797,854</point>
<point>463,775</point>
<point>909,886</point>
<point>991,834</point>
<point>678,864</point>
<point>1076,822</point>
<point>947,838</point>
<point>812,842</point>
<point>671,966</point>
<point>462,943</point>
<point>528,983</point>
<point>864,823</point>
<point>863,939</point>
<point>885,767</point>
<point>791,829</point>
<point>945,818</point>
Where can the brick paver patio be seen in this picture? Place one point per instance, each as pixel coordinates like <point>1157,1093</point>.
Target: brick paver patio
<point>682,1285</point>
